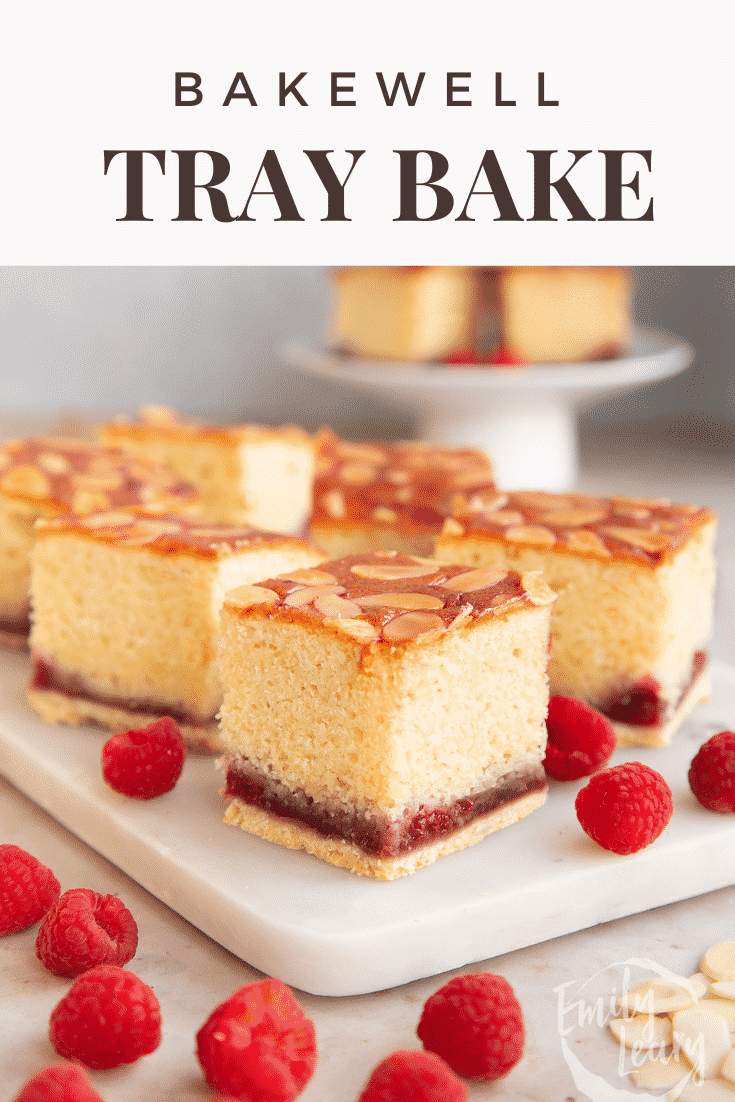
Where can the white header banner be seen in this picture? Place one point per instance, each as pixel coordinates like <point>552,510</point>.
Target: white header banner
<point>381,133</point>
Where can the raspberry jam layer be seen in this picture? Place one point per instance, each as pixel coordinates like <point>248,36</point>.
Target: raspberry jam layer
<point>15,625</point>
<point>642,705</point>
<point>375,833</point>
<point>47,675</point>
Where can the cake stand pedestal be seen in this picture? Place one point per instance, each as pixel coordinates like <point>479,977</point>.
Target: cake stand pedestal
<point>524,417</point>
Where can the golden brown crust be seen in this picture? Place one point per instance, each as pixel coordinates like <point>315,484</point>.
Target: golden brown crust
<point>161,422</point>
<point>294,836</point>
<point>620,529</point>
<point>58,474</point>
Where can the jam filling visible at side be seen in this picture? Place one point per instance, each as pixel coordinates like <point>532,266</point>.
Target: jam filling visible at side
<point>46,675</point>
<point>15,625</point>
<point>641,704</point>
<point>378,836</point>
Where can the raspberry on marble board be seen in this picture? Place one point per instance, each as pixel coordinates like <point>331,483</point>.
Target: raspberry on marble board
<point>27,889</point>
<point>625,808</point>
<point>144,762</point>
<point>84,929</point>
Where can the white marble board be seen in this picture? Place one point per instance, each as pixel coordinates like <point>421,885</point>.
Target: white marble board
<point>328,932</point>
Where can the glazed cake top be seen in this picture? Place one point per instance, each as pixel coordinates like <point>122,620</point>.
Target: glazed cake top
<point>408,485</point>
<point>613,528</point>
<point>63,474</point>
<point>383,596</point>
<point>163,423</point>
<point>166,534</point>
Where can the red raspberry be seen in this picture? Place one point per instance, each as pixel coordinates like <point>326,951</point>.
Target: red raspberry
<point>59,1083</point>
<point>475,1023</point>
<point>85,929</point>
<point>413,1077</point>
<point>580,739</point>
<point>27,889</point>
<point>108,1017</point>
<point>258,1044</point>
<point>503,357</point>
<point>625,808</point>
<point>144,762</point>
<point>712,773</point>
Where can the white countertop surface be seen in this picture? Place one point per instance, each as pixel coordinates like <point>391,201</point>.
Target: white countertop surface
<point>191,974</point>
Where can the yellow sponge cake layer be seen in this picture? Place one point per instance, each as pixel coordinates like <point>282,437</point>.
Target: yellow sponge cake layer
<point>635,581</point>
<point>386,708</point>
<point>247,474</point>
<point>126,615</point>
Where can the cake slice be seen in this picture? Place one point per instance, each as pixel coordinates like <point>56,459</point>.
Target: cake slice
<point>635,581</point>
<point>386,710</point>
<point>369,496</point>
<point>126,615</point>
<point>482,315</point>
<point>247,474</point>
<point>46,476</point>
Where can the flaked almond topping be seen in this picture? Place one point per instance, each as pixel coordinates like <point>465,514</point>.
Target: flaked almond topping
<point>404,494</point>
<point>533,534</point>
<point>361,453</point>
<point>384,515</point>
<point>357,474</point>
<point>4,459</point>
<point>89,501</point>
<point>635,512</point>
<point>307,576</point>
<point>86,481</point>
<point>486,501</point>
<point>157,527</point>
<point>301,597</point>
<point>139,470</point>
<point>53,462</point>
<point>149,494</point>
<point>362,630</point>
<point>385,553</point>
<point>639,537</point>
<point>690,509</point>
<point>475,476</point>
<point>247,596</point>
<point>587,541</point>
<point>669,525</point>
<point>26,480</point>
<point>536,588</point>
<point>501,599</point>
<point>475,579</point>
<point>573,518</point>
<point>385,572</point>
<point>452,527</point>
<point>643,503</point>
<point>334,504</point>
<point>335,607</point>
<point>505,517</point>
<point>413,601</point>
<point>158,415</point>
<point>397,476</point>
<point>538,499</point>
<point>411,626</point>
<point>108,520</point>
<point>458,503</point>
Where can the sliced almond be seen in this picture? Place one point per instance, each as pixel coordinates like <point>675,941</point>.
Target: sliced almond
<point>412,625</point>
<point>486,501</point>
<point>661,996</point>
<point>108,520</point>
<point>573,518</point>
<point>713,1090</point>
<point>662,1073</point>
<point>157,527</point>
<point>26,480</point>
<point>505,517</point>
<point>537,499</point>
<point>538,591</point>
<point>357,474</point>
<point>643,502</point>
<point>53,462</point>
<point>412,601</point>
<point>723,989</point>
<point>452,528</point>
<point>387,572</point>
<point>587,542</point>
<point>635,512</point>
<point>403,494</point>
<point>472,580</point>
<point>638,537</point>
<point>384,515</point>
<point>335,607</point>
<point>725,1007</point>
<point>727,1069</point>
<point>475,476</point>
<point>362,630</point>
<point>642,1030</point>
<point>531,533</point>
<point>398,476</point>
<point>89,501</point>
<point>719,961</point>
<point>361,453</point>
<point>5,460</point>
<point>334,504</point>
<point>305,596</point>
<point>247,596</point>
<point>108,481</point>
<point>158,415</point>
<point>307,576</point>
<point>704,1038</point>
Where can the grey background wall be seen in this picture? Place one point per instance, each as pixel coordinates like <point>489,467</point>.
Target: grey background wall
<point>207,340</point>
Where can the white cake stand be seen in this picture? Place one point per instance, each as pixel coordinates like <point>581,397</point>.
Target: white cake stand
<point>524,417</point>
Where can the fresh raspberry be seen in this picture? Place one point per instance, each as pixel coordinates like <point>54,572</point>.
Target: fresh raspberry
<point>503,357</point>
<point>712,773</point>
<point>625,808</point>
<point>413,1077</point>
<point>475,1023</point>
<point>59,1083</point>
<point>258,1044</point>
<point>146,761</point>
<point>27,889</point>
<point>85,929</point>
<point>580,739</point>
<point>108,1017</point>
